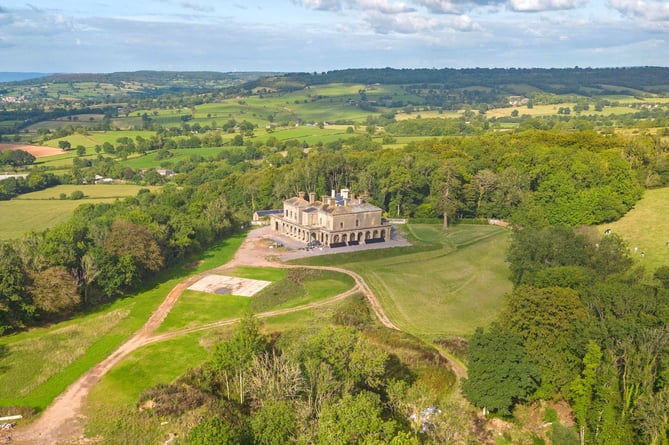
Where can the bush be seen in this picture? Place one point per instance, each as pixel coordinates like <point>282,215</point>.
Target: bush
<point>76,195</point>
<point>172,400</point>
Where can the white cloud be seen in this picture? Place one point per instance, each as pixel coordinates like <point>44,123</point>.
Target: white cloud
<point>653,10</point>
<point>321,5</point>
<point>382,6</point>
<point>409,23</point>
<point>196,6</point>
<point>455,6</point>
<point>543,5</point>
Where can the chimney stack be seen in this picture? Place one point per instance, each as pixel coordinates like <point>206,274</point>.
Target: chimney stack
<point>300,195</point>
<point>312,197</point>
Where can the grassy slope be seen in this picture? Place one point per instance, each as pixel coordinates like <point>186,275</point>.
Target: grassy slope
<point>448,290</point>
<point>646,227</point>
<point>85,347</point>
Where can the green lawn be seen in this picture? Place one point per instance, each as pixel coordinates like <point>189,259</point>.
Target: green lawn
<point>449,284</point>
<point>646,228</point>
<point>197,308</point>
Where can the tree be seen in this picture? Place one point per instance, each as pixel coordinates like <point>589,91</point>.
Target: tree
<point>16,158</point>
<point>274,377</point>
<point>274,423</point>
<point>500,373</point>
<point>549,321</point>
<point>64,145</point>
<point>485,182</point>
<point>611,256</point>
<point>533,250</point>
<point>54,291</point>
<point>652,416</point>
<point>234,357</point>
<point>354,361</point>
<point>216,431</point>
<point>582,389</point>
<point>127,239</point>
<point>16,309</point>
<point>355,419</point>
<point>446,185</point>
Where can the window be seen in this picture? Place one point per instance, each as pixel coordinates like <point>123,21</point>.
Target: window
<point>341,225</point>
<point>357,223</point>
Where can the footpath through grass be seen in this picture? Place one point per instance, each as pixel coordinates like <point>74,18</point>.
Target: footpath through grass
<point>447,284</point>
<point>39,364</point>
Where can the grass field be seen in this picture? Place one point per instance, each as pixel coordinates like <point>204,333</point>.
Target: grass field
<point>37,211</point>
<point>447,289</point>
<point>93,138</point>
<point>91,191</point>
<point>646,228</point>
<point>179,155</point>
<point>20,216</point>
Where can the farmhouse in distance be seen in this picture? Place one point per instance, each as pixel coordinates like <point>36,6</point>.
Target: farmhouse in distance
<point>337,220</point>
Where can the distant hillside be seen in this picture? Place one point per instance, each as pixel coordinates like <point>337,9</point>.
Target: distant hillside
<point>160,80</point>
<point>581,81</point>
<point>13,77</point>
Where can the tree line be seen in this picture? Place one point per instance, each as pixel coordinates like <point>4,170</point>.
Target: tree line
<point>105,251</point>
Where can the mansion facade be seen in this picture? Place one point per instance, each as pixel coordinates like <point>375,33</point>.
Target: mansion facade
<point>334,221</point>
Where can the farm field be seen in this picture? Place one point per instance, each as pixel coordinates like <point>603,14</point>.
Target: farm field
<point>646,228</point>
<point>37,211</point>
<point>468,278</point>
<point>92,138</point>
<point>150,160</point>
<point>20,216</point>
<point>91,191</point>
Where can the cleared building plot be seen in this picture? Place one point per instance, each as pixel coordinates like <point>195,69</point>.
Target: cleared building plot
<point>225,285</point>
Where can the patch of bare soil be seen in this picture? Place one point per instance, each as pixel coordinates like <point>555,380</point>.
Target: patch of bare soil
<point>39,151</point>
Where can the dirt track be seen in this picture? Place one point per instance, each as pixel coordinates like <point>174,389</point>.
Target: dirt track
<point>62,422</point>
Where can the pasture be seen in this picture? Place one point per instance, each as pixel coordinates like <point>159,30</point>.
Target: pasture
<point>468,278</point>
<point>646,228</point>
<point>90,139</point>
<point>37,211</point>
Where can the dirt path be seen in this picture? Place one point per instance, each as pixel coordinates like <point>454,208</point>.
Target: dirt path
<point>62,422</point>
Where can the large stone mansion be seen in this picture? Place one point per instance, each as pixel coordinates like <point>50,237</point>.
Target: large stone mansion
<point>334,221</point>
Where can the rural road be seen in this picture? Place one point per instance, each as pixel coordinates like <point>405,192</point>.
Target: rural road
<point>62,421</point>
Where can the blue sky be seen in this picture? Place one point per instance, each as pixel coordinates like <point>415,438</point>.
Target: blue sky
<point>322,35</point>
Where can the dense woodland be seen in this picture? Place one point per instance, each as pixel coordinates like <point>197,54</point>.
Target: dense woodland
<point>581,325</point>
